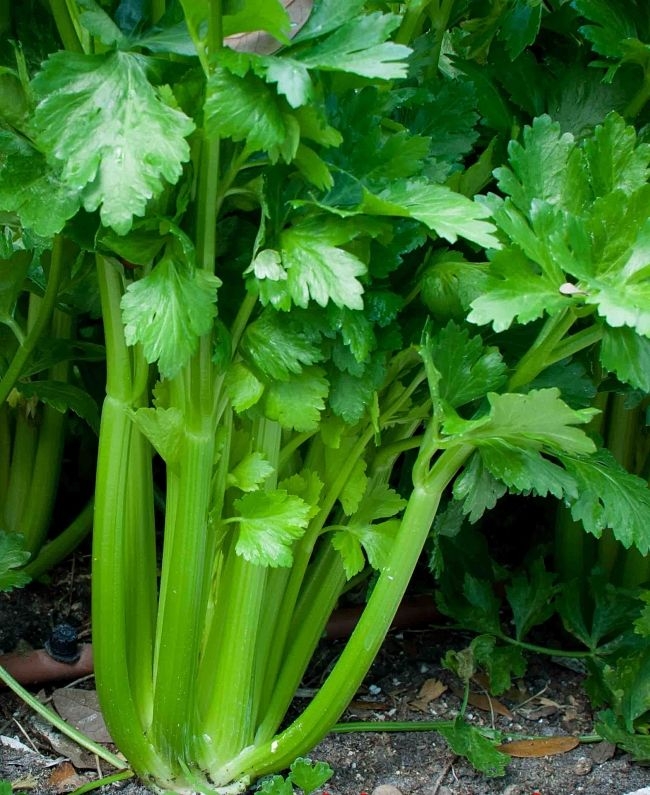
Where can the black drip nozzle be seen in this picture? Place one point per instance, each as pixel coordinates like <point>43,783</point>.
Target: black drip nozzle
<point>62,645</point>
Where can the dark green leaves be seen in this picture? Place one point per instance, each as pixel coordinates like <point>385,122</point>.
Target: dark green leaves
<point>115,139</point>
<point>12,557</point>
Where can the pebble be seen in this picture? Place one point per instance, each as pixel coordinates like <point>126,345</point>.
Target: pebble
<point>644,791</point>
<point>512,789</point>
<point>583,766</point>
<point>386,789</point>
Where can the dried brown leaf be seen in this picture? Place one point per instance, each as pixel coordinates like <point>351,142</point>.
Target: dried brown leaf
<point>81,709</point>
<point>431,690</point>
<point>540,746</point>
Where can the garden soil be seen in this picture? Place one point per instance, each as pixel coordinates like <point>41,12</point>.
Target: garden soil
<point>406,682</point>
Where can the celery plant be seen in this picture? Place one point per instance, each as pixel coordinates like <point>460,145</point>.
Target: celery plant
<point>301,189</point>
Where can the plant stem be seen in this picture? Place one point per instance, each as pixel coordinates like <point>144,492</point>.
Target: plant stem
<point>13,372</point>
<point>66,25</point>
<point>538,355</point>
<point>364,643</point>
<point>63,544</point>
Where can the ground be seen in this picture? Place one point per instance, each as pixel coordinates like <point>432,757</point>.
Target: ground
<point>405,683</point>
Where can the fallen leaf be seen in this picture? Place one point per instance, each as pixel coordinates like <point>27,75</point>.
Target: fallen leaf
<point>81,709</point>
<point>485,703</point>
<point>64,778</point>
<point>430,691</point>
<point>540,746</point>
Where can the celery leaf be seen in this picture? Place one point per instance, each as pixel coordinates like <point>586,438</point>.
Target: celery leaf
<point>297,403</point>
<point>163,427</point>
<point>278,346</point>
<point>468,369</point>
<point>246,108</point>
<point>115,139</point>
<point>537,420</point>
<point>250,472</point>
<point>269,522</point>
<point>31,188</point>
<point>450,215</point>
<point>168,310</point>
<point>12,557</point>
<point>359,46</point>
<point>627,354</point>
<point>320,271</point>
<point>610,497</point>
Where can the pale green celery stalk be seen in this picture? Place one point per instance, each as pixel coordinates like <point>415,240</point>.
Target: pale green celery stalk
<point>240,638</point>
<point>320,588</point>
<point>324,582</point>
<point>44,480</point>
<point>25,443</point>
<point>574,552</point>
<point>302,552</point>
<point>539,354</point>
<point>5,451</point>
<point>67,25</point>
<point>348,673</point>
<point>629,567</point>
<point>40,324</point>
<point>119,620</point>
<point>63,543</point>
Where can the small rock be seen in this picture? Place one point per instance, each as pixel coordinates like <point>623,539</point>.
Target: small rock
<point>644,791</point>
<point>583,766</point>
<point>386,789</point>
<point>512,789</point>
<point>602,752</point>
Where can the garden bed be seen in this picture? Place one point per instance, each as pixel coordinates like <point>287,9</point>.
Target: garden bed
<point>406,683</point>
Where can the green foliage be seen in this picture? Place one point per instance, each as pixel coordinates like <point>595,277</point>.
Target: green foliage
<point>12,556</point>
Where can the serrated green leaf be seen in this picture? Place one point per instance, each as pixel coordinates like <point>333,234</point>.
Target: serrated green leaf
<point>477,488</point>
<point>276,785</point>
<point>268,15</point>
<point>308,775</point>
<point>246,109</point>
<point>478,609</point>
<point>242,387</point>
<point>164,428</point>
<point>610,728</point>
<point>468,369</point>
<point>526,471</point>
<point>328,15</point>
<point>297,403</point>
<point>359,46</point>
<point>104,125</point>
<point>32,189</point>
<point>292,79</point>
<point>612,24</point>
<point>97,22</point>
<point>467,741</point>
<point>520,25</point>
<point>546,167</point>
<point>269,523</point>
<point>609,496</point>
<point>537,420</point>
<point>500,663</point>
<point>448,214</point>
<point>168,310</point>
<point>319,271</point>
<point>63,397</point>
<point>278,346</point>
<point>308,486</point>
<point>626,353</point>
<point>530,596</point>
<point>250,472</point>
<point>515,289</point>
<point>13,555</point>
<point>615,159</point>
